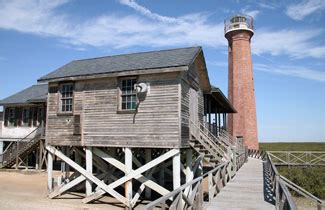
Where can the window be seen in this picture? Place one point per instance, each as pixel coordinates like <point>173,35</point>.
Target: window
<point>11,117</point>
<point>127,94</point>
<point>25,116</point>
<point>39,115</point>
<point>66,100</point>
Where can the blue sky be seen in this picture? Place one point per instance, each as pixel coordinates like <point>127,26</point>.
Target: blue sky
<point>288,48</point>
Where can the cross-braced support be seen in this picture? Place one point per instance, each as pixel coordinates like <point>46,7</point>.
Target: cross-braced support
<point>104,168</point>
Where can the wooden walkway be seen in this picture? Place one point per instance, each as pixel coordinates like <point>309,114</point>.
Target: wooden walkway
<point>245,191</point>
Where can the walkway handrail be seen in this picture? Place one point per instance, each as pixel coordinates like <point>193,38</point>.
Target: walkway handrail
<point>218,177</point>
<point>302,191</point>
<point>298,158</point>
<point>281,186</point>
<point>175,195</point>
<point>283,197</point>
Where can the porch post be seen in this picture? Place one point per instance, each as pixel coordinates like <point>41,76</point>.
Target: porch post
<point>177,170</point>
<point>1,147</point>
<point>189,167</point>
<point>128,169</point>
<point>89,168</point>
<point>49,172</point>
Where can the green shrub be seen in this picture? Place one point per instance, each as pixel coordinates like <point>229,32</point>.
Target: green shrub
<point>311,179</point>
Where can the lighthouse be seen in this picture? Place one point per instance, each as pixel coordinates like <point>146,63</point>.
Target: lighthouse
<point>242,125</point>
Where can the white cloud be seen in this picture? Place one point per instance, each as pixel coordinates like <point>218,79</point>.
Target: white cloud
<point>291,70</point>
<point>266,6</point>
<point>116,31</point>
<point>252,13</point>
<point>294,43</point>
<point>305,8</point>
<point>146,12</point>
<point>146,29</point>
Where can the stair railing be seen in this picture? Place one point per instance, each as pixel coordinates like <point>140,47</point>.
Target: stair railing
<point>216,139</point>
<point>224,152</point>
<point>15,148</point>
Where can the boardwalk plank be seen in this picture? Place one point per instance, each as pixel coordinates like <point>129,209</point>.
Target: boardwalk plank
<point>244,192</point>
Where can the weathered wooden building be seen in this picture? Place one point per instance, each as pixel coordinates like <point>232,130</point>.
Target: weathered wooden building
<point>130,120</point>
<point>22,126</point>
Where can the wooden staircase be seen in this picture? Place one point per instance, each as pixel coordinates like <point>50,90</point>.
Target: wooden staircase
<point>213,149</point>
<point>20,149</point>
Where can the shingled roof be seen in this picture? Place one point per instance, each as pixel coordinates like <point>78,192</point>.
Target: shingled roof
<point>222,100</point>
<point>35,93</point>
<point>127,62</point>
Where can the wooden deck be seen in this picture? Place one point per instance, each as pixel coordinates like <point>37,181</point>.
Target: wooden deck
<point>245,191</point>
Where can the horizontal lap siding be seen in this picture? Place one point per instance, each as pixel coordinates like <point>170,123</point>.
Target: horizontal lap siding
<point>190,79</point>
<point>60,129</point>
<point>185,114</point>
<point>155,124</point>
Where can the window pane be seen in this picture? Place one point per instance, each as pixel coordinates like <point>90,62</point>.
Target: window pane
<point>66,97</point>
<point>128,100</point>
<point>133,105</point>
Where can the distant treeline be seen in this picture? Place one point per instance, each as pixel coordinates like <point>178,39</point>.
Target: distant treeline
<point>293,146</point>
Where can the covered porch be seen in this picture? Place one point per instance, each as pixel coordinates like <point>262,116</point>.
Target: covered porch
<point>216,109</point>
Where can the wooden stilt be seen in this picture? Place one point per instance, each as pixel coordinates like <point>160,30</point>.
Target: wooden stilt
<point>148,159</point>
<point>128,170</point>
<point>189,168</point>
<point>177,170</point>
<point>50,172</point>
<point>89,168</point>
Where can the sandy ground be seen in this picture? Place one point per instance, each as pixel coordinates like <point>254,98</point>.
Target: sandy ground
<point>27,190</point>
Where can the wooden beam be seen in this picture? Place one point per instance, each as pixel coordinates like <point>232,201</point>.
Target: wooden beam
<point>50,173</point>
<point>128,170</point>
<point>177,170</point>
<point>189,169</point>
<point>134,174</point>
<point>88,175</point>
<point>89,168</point>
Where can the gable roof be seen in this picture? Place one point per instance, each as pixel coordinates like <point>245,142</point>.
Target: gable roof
<point>127,62</point>
<point>35,93</point>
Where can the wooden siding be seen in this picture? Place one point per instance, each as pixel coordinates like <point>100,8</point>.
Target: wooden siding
<point>60,128</point>
<point>185,113</point>
<point>190,80</point>
<point>96,101</point>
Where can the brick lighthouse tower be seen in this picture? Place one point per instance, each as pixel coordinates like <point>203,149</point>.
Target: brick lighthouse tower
<point>242,125</point>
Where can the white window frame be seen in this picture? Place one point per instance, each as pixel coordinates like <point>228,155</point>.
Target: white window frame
<point>132,93</point>
<point>61,98</point>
